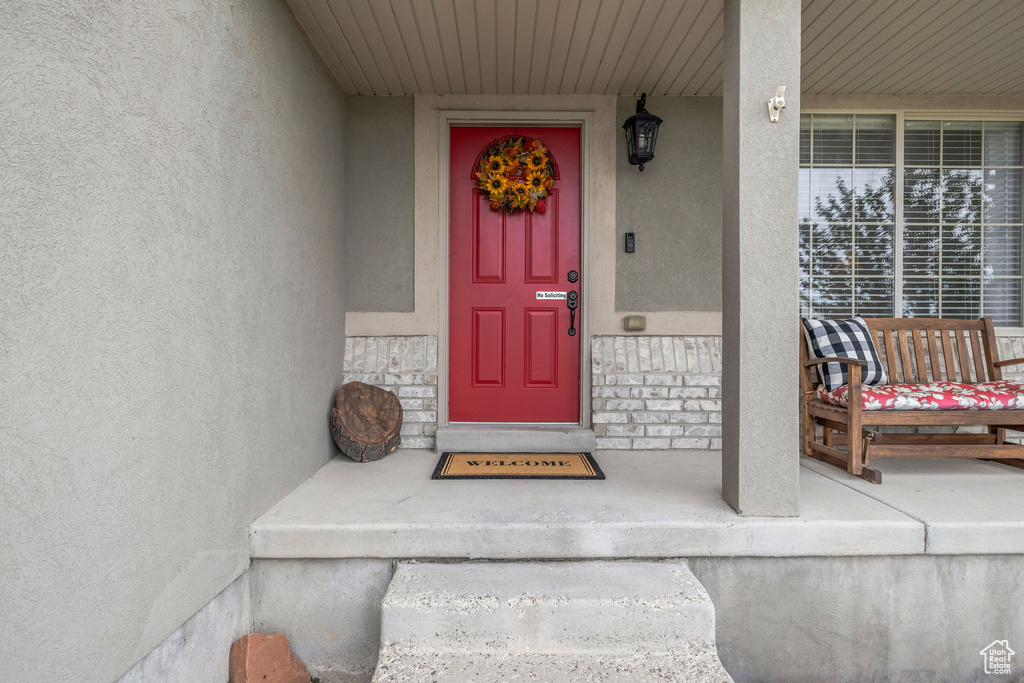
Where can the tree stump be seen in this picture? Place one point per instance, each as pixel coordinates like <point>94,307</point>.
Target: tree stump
<point>366,422</point>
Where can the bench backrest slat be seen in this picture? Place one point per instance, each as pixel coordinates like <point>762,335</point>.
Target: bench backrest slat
<point>906,369</point>
<point>890,353</point>
<point>928,350</point>
<point>991,349</point>
<point>963,359</point>
<point>979,355</point>
<point>933,353</point>
<point>919,353</point>
<point>947,355</point>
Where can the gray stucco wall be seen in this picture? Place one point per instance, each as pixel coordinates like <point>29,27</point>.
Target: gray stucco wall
<point>329,608</point>
<point>380,194</point>
<point>171,316</point>
<point>906,618</point>
<point>675,208</point>
<point>200,649</point>
<point>892,618</point>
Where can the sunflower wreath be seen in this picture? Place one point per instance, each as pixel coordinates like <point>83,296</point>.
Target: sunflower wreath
<point>516,175</point>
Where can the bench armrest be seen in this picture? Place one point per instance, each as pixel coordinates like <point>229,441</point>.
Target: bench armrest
<point>848,361</point>
<point>854,368</point>
<point>1011,361</point>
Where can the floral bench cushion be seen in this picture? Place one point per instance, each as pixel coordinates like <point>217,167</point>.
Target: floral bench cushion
<point>1001,395</point>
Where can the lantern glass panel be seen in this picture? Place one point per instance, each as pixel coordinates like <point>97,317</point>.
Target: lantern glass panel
<point>645,136</point>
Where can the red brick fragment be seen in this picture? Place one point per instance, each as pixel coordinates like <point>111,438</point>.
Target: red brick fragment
<point>257,658</point>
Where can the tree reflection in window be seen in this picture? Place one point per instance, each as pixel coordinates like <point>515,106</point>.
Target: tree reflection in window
<point>959,250</point>
<point>962,224</point>
<point>847,236</point>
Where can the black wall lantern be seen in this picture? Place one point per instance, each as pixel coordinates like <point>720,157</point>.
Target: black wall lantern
<point>641,133</point>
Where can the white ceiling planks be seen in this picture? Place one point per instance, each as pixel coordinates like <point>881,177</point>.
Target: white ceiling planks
<point>705,57</point>
<point>662,47</point>
<point>486,23</point>
<point>401,47</point>
<point>643,24</point>
<point>913,47</point>
<point>327,47</point>
<point>565,22</point>
<point>524,38</point>
<point>543,42</point>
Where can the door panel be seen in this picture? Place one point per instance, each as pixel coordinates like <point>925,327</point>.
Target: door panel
<point>488,347</point>
<point>542,244</point>
<point>541,347</point>
<point>511,358</point>
<point>488,242</point>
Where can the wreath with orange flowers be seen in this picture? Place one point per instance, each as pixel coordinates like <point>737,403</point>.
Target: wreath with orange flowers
<point>516,174</point>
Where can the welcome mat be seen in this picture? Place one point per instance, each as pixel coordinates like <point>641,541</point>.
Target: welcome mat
<point>517,466</point>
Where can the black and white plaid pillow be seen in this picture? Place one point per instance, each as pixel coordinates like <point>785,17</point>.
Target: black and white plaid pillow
<point>849,338</point>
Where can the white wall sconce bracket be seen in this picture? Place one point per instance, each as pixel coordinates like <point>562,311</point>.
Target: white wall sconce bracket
<point>777,104</point>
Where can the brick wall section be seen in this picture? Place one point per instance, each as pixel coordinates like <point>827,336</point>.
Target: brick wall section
<point>1009,348</point>
<point>657,392</point>
<point>405,366</point>
<point>648,392</point>
<point>1012,347</point>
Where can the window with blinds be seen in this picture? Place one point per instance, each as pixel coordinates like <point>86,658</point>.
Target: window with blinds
<point>847,236</point>
<point>955,253</point>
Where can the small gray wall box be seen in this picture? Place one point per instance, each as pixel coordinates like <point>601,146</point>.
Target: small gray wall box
<point>634,323</point>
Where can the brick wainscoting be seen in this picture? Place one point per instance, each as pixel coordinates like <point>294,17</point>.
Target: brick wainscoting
<point>657,392</point>
<point>648,392</point>
<point>405,366</point>
<point>1012,347</point>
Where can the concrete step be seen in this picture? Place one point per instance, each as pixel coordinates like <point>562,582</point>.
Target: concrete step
<point>547,606</point>
<point>688,666</point>
<point>554,621</point>
<point>514,439</point>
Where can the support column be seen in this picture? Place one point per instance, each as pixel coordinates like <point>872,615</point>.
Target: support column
<point>760,421</point>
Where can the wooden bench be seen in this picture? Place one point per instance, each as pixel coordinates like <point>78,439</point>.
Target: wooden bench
<point>912,350</point>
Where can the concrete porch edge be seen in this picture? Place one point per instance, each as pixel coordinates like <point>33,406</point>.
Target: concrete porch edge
<point>653,504</point>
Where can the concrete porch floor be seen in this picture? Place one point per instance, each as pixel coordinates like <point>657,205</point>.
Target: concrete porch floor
<point>653,504</point>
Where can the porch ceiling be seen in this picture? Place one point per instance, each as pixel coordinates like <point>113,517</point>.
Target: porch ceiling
<point>913,47</point>
<point>662,47</point>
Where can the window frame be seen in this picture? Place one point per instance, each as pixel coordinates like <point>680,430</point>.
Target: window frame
<point>902,116</point>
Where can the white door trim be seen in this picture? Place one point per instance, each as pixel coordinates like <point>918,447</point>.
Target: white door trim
<point>584,120</point>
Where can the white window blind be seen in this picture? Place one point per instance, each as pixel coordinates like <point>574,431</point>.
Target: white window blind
<point>847,248</point>
<point>958,248</point>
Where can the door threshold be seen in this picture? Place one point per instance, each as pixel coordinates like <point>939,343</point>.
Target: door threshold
<point>515,438</point>
<point>515,425</point>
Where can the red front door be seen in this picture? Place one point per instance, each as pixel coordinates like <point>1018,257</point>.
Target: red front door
<point>511,355</point>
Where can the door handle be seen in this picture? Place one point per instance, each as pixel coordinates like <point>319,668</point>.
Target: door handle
<point>573,303</point>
